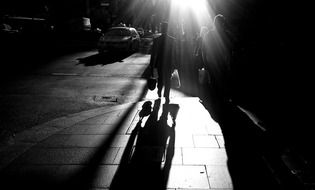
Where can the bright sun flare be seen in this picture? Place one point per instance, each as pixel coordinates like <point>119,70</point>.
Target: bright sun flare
<point>198,8</point>
<point>195,5</point>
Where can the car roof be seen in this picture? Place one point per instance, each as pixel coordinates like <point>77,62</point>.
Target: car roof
<point>131,29</point>
<point>121,27</point>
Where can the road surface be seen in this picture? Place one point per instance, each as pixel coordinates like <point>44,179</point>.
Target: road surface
<point>66,84</point>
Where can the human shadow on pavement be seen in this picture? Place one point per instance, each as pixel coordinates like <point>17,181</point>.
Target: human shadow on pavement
<point>103,58</point>
<point>247,148</point>
<point>147,158</point>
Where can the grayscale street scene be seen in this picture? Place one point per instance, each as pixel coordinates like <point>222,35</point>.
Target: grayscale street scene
<point>156,94</point>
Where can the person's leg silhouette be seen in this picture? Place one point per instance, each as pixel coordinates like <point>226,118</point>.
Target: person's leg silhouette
<point>167,89</point>
<point>160,86</point>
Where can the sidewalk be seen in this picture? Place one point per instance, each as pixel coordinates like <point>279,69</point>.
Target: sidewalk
<point>86,150</point>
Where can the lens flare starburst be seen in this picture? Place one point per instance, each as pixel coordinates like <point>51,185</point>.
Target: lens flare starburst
<point>198,10</point>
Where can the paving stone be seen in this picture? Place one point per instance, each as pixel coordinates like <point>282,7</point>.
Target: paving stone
<point>88,129</point>
<point>120,141</point>
<point>123,128</point>
<point>178,157</point>
<point>73,120</point>
<point>176,160</point>
<point>205,141</point>
<point>219,177</point>
<point>119,155</point>
<point>84,141</point>
<point>33,173</point>
<point>186,123</point>
<point>99,119</point>
<point>188,177</point>
<point>192,128</point>
<point>104,176</point>
<point>9,153</point>
<point>204,156</point>
<point>112,118</point>
<point>131,115</point>
<point>132,127</point>
<point>95,129</point>
<point>189,123</point>
<point>34,136</point>
<point>57,123</point>
<point>136,117</point>
<point>183,140</point>
<point>30,176</point>
<point>149,153</point>
<point>220,140</point>
<point>74,141</point>
<point>213,128</point>
<point>89,113</point>
<point>44,156</point>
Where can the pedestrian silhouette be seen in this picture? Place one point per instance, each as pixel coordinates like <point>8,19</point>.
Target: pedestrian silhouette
<point>203,82</point>
<point>163,58</point>
<point>216,54</point>
<point>198,47</point>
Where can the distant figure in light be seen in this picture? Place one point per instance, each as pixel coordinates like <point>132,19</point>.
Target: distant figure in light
<point>199,61</point>
<point>198,46</point>
<point>163,58</point>
<point>216,54</point>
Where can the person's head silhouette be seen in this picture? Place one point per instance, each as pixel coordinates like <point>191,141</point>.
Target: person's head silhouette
<point>146,109</point>
<point>164,27</point>
<point>220,22</point>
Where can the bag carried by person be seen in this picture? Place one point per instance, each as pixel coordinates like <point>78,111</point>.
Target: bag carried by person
<point>175,80</point>
<point>203,76</point>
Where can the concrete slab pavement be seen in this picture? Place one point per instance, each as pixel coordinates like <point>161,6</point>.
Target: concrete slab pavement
<point>97,149</point>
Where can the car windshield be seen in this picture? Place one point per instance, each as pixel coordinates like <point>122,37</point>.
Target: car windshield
<point>118,32</point>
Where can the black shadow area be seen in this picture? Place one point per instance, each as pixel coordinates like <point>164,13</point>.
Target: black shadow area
<point>251,153</point>
<point>146,161</point>
<point>104,58</point>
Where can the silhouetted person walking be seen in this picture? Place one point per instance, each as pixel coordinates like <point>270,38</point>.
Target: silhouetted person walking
<point>163,58</point>
<point>216,53</point>
<point>203,84</point>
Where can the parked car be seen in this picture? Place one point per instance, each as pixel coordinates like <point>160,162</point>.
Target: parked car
<point>119,38</point>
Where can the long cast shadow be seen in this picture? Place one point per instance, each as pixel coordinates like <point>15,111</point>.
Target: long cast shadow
<point>250,152</point>
<point>146,161</point>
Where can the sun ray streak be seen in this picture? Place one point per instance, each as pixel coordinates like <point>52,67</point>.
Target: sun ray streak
<point>198,11</point>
